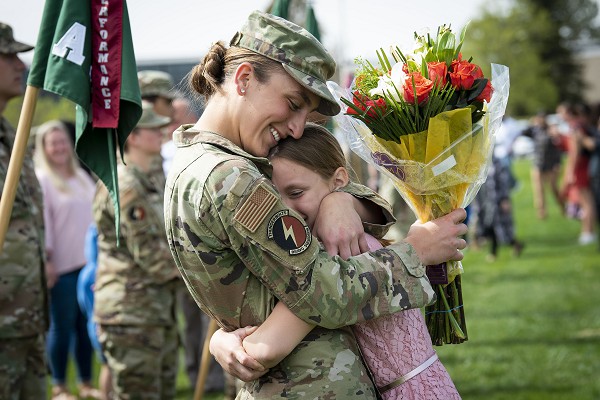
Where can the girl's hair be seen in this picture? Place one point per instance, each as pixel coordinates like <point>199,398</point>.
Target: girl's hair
<point>41,160</point>
<point>317,150</point>
<point>219,63</point>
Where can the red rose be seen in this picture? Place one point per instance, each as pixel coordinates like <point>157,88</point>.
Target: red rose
<point>422,86</point>
<point>486,94</point>
<point>363,102</point>
<point>463,74</point>
<point>437,72</point>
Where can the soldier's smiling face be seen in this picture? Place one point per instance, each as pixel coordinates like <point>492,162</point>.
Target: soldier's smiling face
<point>272,111</point>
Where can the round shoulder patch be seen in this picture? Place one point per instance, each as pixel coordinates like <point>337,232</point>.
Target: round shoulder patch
<point>137,213</point>
<point>289,232</point>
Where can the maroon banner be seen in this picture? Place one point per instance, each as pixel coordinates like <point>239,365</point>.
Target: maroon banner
<point>107,35</point>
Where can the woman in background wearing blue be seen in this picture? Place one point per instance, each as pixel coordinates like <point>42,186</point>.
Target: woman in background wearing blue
<point>85,297</point>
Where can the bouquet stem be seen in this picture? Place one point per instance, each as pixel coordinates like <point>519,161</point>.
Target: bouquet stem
<point>445,318</point>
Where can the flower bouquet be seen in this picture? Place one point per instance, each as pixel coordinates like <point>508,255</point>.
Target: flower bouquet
<point>427,120</point>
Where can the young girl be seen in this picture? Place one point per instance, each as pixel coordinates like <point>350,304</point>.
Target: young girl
<point>396,348</point>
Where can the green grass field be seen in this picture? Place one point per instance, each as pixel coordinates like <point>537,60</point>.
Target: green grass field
<point>533,321</point>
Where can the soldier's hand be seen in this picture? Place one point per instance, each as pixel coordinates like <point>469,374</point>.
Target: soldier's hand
<point>339,226</point>
<point>439,240</point>
<point>227,349</point>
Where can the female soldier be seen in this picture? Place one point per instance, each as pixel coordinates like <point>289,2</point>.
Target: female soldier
<point>240,249</point>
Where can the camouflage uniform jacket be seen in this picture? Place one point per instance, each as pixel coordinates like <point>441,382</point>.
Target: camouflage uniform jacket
<point>135,281</point>
<point>23,294</point>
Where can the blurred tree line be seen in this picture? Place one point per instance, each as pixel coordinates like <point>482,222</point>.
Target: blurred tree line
<point>538,40</point>
<point>48,107</point>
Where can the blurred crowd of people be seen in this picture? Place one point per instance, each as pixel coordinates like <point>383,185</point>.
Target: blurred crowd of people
<point>70,288</point>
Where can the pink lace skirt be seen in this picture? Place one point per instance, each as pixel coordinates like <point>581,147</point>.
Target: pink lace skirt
<point>398,346</point>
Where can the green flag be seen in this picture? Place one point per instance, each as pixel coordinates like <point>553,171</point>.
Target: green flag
<point>280,8</point>
<point>311,24</point>
<point>84,52</point>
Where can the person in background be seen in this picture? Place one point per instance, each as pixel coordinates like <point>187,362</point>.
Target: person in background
<point>134,292</point>
<point>546,162</point>
<point>577,172</point>
<point>23,293</point>
<point>85,298</point>
<point>157,88</point>
<point>68,193</point>
<point>183,113</point>
<point>240,249</point>
<point>494,209</point>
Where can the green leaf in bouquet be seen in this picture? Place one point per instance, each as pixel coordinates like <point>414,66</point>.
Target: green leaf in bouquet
<point>384,60</point>
<point>476,89</point>
<point>462,35</point>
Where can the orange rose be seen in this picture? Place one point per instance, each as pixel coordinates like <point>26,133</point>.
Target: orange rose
<point>437,72</point>
<point>463,74</point>
<point>422,86</point>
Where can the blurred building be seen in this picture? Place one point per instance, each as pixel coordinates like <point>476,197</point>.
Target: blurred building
<point>589,58</point>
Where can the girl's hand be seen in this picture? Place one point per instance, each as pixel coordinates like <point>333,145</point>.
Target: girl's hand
<point>439,240</point>
<point>229,352</point>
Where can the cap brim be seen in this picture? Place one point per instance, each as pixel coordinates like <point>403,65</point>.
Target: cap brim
<point>156,122</point>
<point>328,104</point>
<point>17,47</point>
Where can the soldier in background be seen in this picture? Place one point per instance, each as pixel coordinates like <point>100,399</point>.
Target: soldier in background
<point>136,280</point>
<point>23,293</point>
<point>157,88</point>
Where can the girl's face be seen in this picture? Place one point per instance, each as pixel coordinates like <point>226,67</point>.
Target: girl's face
<point>273,111</point>
<point>301,189</point>
<point>58,148</point>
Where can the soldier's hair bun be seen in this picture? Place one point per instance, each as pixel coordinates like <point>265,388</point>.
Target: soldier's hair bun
<point>206,77</point>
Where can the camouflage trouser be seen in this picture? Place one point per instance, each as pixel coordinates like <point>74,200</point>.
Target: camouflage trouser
<point>142,360</point>
<point>22,368</point>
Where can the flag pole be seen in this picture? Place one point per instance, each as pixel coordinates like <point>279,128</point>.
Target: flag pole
<point>205,361</point>
<point>16,160</point>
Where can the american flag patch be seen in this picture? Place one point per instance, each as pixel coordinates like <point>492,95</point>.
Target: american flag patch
<point>256,207</point>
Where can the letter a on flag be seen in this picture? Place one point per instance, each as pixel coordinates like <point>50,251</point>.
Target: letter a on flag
<point>84,53</point>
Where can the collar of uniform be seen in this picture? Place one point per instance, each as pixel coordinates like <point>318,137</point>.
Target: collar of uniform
<point>187,135</point>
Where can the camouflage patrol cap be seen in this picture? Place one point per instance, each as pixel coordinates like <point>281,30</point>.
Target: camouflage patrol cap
<point>156,83</point>
<point>150,119</point>
<point>300,53</point>
<point>8,44</point>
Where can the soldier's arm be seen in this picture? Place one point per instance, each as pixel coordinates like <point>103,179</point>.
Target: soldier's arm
<point>345,216</point>
<point>278,248</point>
<point>143,234</point>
